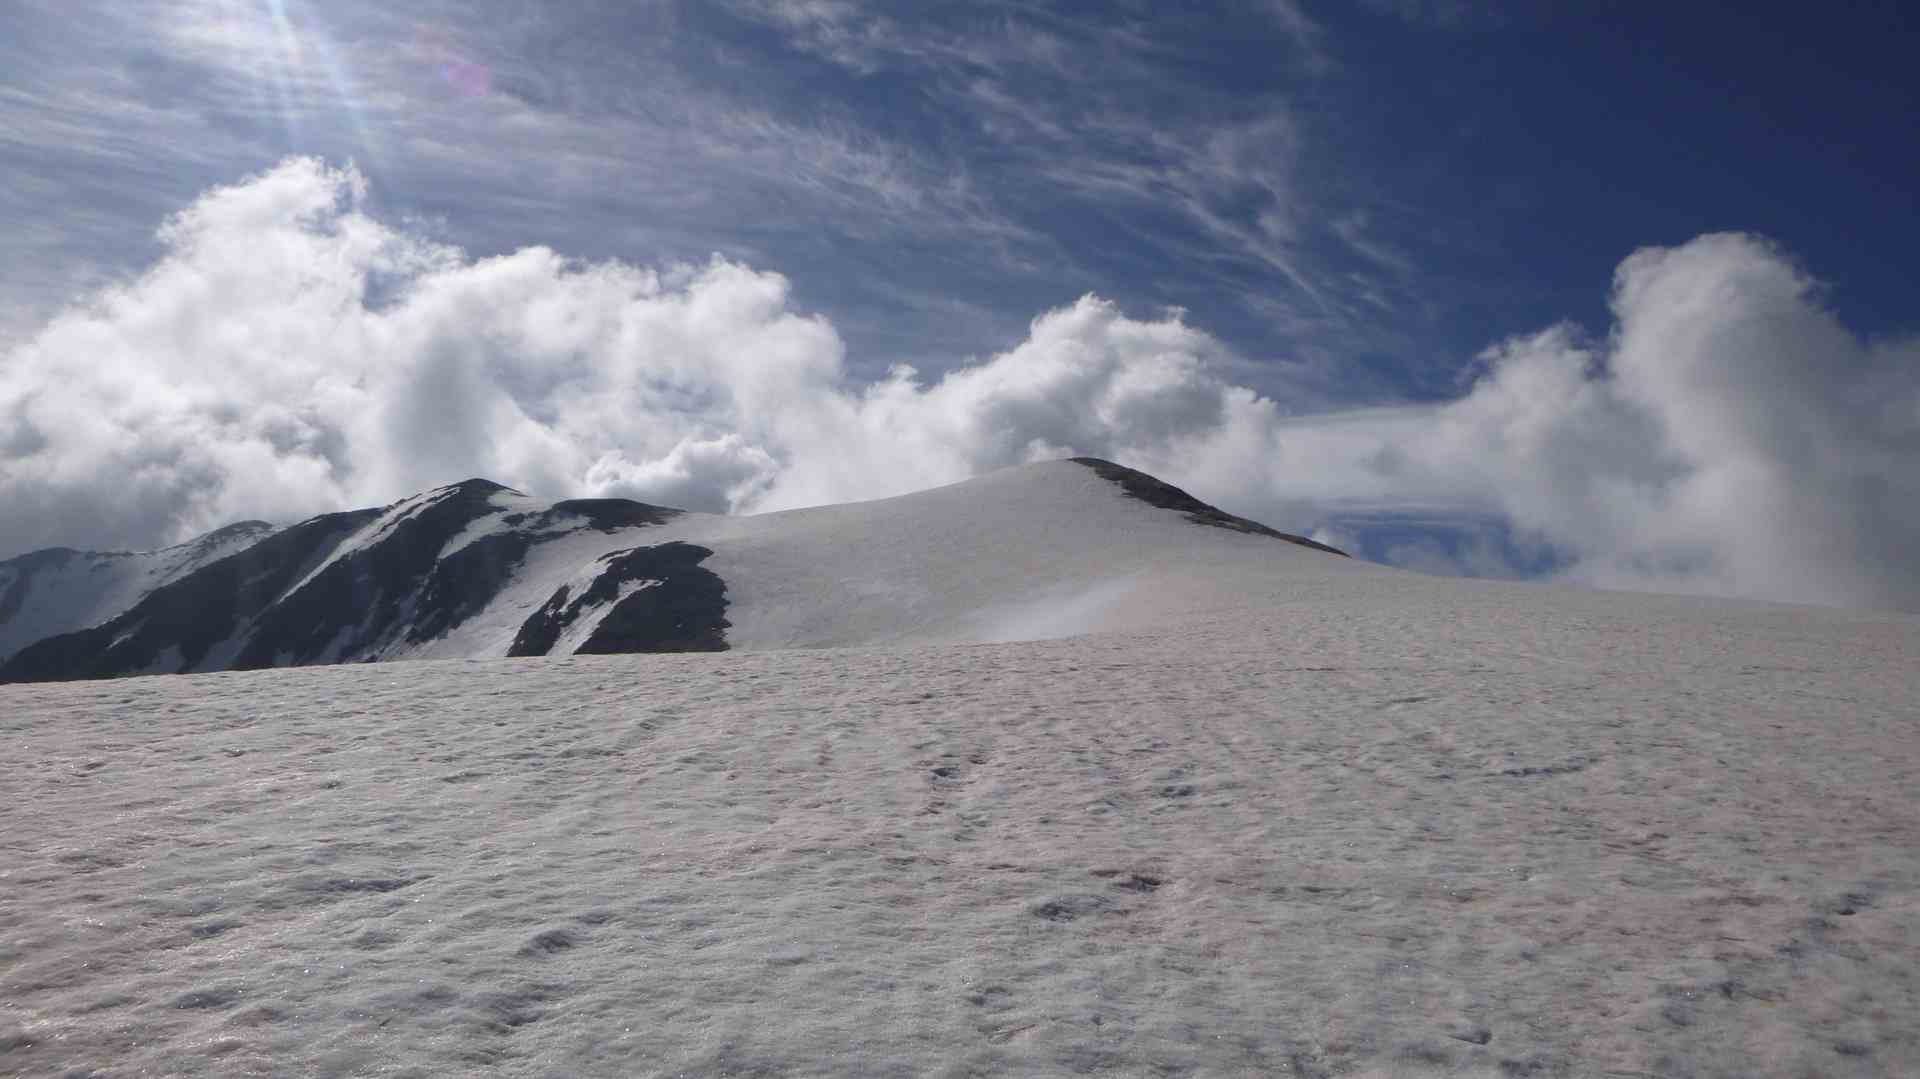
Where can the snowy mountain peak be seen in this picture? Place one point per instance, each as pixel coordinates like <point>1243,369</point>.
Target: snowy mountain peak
<point>477,569</point>
<point>238,531</point>
<point>476,487</point>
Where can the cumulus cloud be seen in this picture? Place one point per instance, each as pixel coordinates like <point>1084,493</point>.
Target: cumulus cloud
<point>291,354</point>
<point>1730,435</point>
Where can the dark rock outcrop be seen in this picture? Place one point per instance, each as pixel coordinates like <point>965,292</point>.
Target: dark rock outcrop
<point>350,586</point>
<point>1166,496</point>
<point>679,606</point>
<point>193,614</point>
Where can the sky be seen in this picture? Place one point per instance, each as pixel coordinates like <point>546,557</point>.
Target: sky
<point>1611,294</point>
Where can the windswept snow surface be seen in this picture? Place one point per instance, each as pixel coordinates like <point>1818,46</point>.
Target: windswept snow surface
<point>1337,824</point>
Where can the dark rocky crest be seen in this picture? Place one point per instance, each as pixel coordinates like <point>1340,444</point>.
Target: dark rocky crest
<point>266,605</point>
<point>680,606</point>
<point>358,600</point>
<point>1166,496</point>
<point>193,614</point>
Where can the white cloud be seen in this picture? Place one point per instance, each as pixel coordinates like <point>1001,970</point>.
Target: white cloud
<point>1729,436</point>
<point>291,354</point>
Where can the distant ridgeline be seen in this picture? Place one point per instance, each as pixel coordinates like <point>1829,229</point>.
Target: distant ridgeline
<point>364,585</point>
<point>473,569</point>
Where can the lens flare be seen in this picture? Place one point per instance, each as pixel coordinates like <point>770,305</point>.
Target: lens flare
<point>288,63</point>
<point>460,72</point>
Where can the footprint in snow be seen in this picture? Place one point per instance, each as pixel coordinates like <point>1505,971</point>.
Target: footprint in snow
<point>1066,908</point>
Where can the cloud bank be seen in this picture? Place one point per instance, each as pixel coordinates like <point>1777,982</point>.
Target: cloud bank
<point>291,354</point>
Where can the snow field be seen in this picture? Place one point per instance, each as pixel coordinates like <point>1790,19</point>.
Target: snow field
<point>1360,824</point>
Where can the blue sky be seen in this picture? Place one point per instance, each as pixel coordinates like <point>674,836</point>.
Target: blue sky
<point>1352,203</point>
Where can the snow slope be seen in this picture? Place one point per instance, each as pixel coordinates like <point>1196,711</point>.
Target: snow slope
<point>59,590</point>
<point>475,570</point>
<point>1044,550</point>
<point>1334,824</point>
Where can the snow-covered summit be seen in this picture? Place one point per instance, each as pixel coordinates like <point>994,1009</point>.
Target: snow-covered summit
<point>476,569</point>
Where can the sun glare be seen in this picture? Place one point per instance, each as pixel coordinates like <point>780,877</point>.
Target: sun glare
<point>294,69</point>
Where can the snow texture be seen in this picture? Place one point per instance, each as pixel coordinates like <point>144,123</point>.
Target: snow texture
<point>1281,814</point>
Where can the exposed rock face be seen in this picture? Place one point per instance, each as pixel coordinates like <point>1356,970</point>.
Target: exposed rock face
<point>347,587</point>
<point>60,590</point>
<point>190,616</point>
<point>674,605</point>
<point>1166,496</point>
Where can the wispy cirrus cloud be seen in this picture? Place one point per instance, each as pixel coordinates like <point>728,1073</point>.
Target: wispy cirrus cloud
<point>542,125</point>
<point>1096,110</point>
<point>1441,14</point>
<point>925,178</point>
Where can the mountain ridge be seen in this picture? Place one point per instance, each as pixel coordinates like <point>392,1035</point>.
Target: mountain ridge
<point>57,590</point>
<point>477,569</point>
